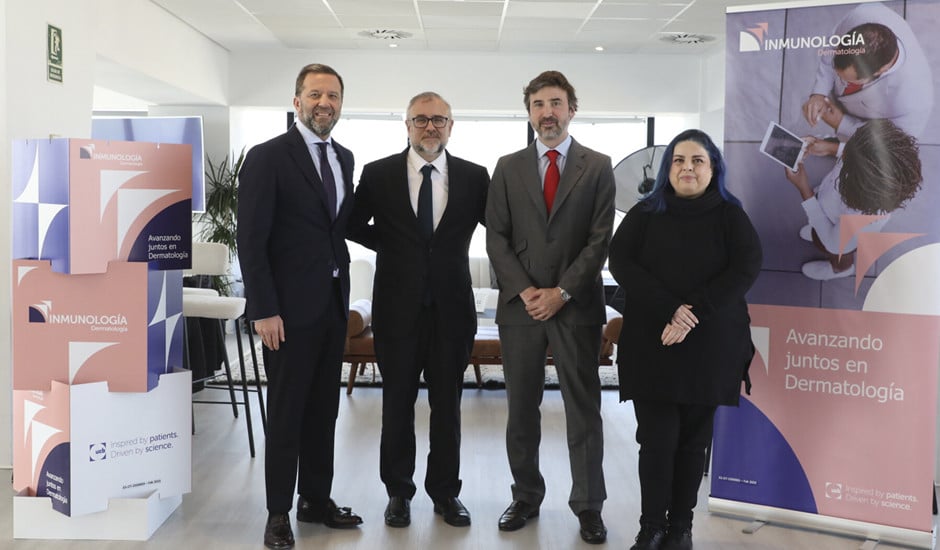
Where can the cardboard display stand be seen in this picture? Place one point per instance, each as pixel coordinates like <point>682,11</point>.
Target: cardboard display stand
<point>81,445</point>
<point>82,203</point>
<point>123,327</point>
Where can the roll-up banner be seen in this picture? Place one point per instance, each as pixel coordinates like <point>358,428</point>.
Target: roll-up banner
<point>831,141</point>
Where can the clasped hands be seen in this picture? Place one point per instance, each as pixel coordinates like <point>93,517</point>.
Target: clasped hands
<point>542,303</point>
<point>683,321</point>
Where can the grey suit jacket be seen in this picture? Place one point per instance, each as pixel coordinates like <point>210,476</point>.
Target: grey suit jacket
<point>528,247</point>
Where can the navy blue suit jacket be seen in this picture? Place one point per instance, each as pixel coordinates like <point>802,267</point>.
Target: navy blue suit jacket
<point>288,246</point>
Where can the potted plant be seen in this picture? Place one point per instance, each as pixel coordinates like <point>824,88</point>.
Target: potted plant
<point>219,222</point>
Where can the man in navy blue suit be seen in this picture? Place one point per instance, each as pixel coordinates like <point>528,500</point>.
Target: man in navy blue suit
<point>295,197</point>
<point>424,205</point>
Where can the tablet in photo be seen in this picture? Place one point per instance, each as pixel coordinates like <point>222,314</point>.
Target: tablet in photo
<point>783,146</point>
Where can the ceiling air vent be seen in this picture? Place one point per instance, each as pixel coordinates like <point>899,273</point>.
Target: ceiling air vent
<point>385,34</point>
<point>685,38</point>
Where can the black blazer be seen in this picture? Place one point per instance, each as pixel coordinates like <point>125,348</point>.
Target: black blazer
<point>288,246</point>
<point>405,265</point>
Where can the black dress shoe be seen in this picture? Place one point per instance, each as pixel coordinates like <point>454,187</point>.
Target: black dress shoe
<point>398,512</point>
<point>454,512</point>
<point>277,532</point>
<point>678,539</point>
<point>592,527</point>
<point>516,515</point>
<point>332,515</point>
<point>649,538</point>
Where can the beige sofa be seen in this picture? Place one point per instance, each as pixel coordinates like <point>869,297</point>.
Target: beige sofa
<point>486,348</point>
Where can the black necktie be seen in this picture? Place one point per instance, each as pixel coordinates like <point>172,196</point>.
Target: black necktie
<point>329,182</point>
<point>425,204</point>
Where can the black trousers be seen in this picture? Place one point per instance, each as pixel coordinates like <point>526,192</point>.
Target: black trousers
<point>303,400</point>
<point>673,439</point>
<point>442,358</point>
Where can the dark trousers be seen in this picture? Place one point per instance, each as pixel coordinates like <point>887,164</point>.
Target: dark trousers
<point>673,439</point>
<point>303,399</point>
<point>575,349</point>
<point>443,359</point>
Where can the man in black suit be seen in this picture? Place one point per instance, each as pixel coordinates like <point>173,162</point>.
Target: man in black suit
<point>295,198</point>
<point>424,205</point>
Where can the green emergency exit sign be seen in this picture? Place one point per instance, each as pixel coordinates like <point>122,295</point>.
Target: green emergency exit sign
<point>54,57</point>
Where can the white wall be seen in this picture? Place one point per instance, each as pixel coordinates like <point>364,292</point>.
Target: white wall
<point>37,108</point>
<point>379,81</point>
<point>145,52</point>
<point>713,96</point>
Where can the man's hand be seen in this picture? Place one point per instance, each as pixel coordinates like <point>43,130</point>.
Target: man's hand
<point>814,108</point>
<point>543,303</point>
<point>271,331</point>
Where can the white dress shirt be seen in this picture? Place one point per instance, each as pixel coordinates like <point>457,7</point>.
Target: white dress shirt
<point>439,184</point>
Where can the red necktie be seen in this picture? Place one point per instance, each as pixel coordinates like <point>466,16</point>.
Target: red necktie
<point>851,88</point>
<point>551,179</point>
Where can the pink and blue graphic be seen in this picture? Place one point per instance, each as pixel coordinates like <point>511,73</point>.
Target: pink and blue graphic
<point>83,203</point>
<point>123,327</point>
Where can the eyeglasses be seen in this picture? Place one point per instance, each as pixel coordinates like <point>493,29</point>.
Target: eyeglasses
<point>422,121</point>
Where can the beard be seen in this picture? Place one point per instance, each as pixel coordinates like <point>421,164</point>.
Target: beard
<point>309,119</point>
<point>552,133</point>
<point>420,146</point>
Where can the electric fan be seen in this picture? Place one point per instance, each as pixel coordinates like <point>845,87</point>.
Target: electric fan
<point>635,175</point>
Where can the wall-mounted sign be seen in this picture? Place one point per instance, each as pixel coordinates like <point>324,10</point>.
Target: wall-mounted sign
<point>54,54</point>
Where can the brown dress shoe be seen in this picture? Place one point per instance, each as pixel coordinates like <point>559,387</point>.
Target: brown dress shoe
<point>332,515</point>
<point>454,512</point>
<point>277,532</point>
<point>516,515</point>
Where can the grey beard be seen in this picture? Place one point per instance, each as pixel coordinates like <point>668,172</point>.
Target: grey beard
<point>437,150</point>
<point>321,131</point>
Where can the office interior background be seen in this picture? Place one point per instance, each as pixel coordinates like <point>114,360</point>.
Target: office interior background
<point>234,63</point>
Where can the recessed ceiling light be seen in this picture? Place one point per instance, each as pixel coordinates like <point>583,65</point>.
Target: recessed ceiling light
<point>598,48</point>
<point>393,45</point>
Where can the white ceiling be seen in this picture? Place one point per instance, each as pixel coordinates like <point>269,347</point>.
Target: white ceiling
<point>571,26</point>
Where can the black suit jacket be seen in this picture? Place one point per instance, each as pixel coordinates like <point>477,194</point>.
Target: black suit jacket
<point>288,246</point>
<point>405,265</point>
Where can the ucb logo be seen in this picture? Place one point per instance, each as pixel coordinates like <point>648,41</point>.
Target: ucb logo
<point>97,452</point>
<point>834,490</point>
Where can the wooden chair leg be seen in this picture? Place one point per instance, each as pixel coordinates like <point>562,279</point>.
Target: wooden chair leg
<point>353,369</point>
<point>476,371</point>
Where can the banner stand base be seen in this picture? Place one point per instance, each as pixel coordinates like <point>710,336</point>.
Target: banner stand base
<point>870,532</point>
<point>869,545</point>
<point>753,527</point>
<point>125,519</point>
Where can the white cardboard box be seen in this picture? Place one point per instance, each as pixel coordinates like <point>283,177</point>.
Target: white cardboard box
<point>82,445</point>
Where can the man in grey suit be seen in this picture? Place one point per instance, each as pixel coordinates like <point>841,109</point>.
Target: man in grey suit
<point>549,217</point>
